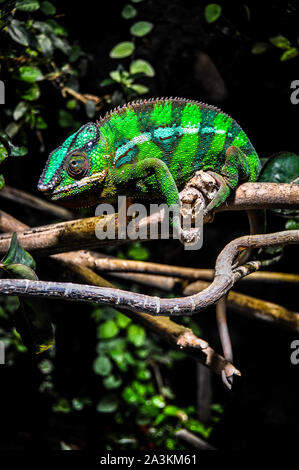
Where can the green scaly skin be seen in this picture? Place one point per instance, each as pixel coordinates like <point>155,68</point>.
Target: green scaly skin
<point>149,149</point>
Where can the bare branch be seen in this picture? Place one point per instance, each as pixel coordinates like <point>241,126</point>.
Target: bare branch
<point>253,307</point>
<point>263,196</point>
<point>23,198</point>
<point>225,277</point>
<point>178,336</point>
<point>193,440</point>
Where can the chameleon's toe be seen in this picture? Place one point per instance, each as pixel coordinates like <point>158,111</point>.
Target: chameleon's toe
<point>222,194</point>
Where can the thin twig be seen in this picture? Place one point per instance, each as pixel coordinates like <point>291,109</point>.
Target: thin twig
<point>193,440</point>
<point>224,336</point>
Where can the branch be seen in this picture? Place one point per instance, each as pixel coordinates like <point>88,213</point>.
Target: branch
<point>80,234</point>
<point>20,197</point>
<point>253,307</point>
<point>263,196</point>
<point>178,336</point>
<point>225,277</point>
<point>110,265</point>
<point>193,440</point>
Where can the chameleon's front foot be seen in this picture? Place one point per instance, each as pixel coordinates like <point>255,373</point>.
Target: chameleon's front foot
<point>222,194</point>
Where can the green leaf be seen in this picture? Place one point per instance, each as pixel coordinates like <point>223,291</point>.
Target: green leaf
<point>21,271</point>
<point>130,396</point>
<point>260,48</point>
<point>62,405</point>
<point>289,54</point>
<point>121,50</point>
<point>171,410</point>
<point>108,404</point>
<point>12,150</point>
<point>282,167</point>
<point>57,29</point>
<point>136,335</point>
<point>158,401</point>
<point>116,76</point>
<point>102,366</point>
<point>122,320</point>
<point>196,426</point>
<point>280,41</point>
<point>41,123</point>
<point>75,53</point>
<point>61,44</point>
<point>17,31</point>
<point>292,224</point>
<point>17,255</point>
<point>143,374</point>
<point>65,119</point>
<point>109,329</point>
<point>71,104</point>
<point>212,12</point>
<point>129,12</point>
<point>140,89</point>
<point>32,93</point>
<point>3,153</point>
<point>12,129</point>
<point>45,45</point>
<point>138,252</point>
<point>48,8</point>
<point>27,5</point>
<point>2,182</point>
<point>141,28</point>
<point>142,66</point>
<point>33,323</point>
<point>112,382</point>
<point>107,82</point>
<point>30,73</point>
<point>20,110</point>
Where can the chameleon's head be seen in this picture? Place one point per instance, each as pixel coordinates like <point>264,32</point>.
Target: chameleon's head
<point>75,172</point>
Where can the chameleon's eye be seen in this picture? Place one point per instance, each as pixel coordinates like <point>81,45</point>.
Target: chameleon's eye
<point>77,165</point>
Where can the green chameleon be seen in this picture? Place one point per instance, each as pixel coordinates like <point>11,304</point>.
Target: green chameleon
<point>149,149</point>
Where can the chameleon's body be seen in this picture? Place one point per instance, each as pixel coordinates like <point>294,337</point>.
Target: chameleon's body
<point>149,149</point>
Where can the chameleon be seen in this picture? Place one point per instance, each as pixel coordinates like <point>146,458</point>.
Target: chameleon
<point>148,149</point>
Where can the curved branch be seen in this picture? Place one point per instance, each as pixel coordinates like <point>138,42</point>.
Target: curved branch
<point>225,277</point>
<point>178,336</point>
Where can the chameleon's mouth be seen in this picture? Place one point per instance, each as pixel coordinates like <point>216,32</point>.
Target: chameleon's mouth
<point>85,184</point>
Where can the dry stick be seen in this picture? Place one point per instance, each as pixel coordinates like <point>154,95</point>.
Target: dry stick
<point>257,308</point>
<point>224,336</point>
<point>22,197</point>
<point>263,196</point>
<point>110,265</point>
<point>193,440</point>
<point>225,277</point>
<point>253,307</point>
<point>178,336</point>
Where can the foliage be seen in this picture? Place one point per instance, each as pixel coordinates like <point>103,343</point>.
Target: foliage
<point>123,80</point>
<point>32,318</point>
<point>283,167</point>
<point>38,61</point>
